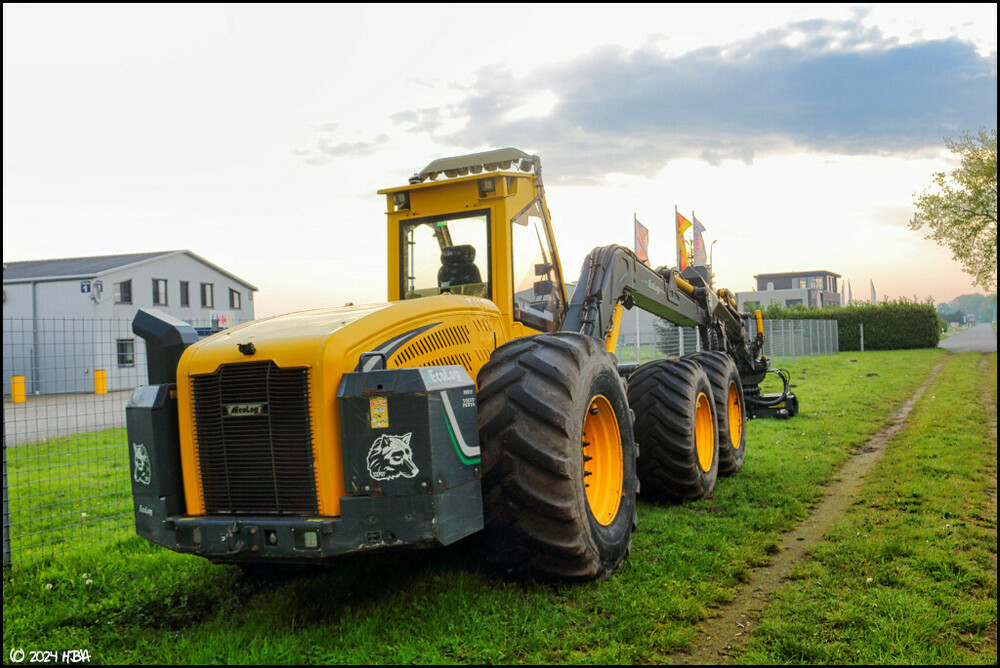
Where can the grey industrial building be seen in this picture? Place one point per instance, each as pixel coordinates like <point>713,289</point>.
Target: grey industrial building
<point>65,319</point>
<point>806,288</point>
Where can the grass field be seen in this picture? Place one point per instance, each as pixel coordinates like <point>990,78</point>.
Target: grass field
<point>131,602</point>
<point>68,490</point>
<point>909,574</point>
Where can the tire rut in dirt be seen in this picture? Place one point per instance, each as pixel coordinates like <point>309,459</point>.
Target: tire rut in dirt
<point>664,395</point>
<point>724,376</point>
<point>534,395</point>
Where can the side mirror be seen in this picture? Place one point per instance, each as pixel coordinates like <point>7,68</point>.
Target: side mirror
<point>543,288</point>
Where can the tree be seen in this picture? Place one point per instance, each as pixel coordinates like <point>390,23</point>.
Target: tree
<point>960,210</point>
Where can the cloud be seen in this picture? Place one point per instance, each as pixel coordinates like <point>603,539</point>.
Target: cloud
<point>325,150</point>
<point>817,85</point>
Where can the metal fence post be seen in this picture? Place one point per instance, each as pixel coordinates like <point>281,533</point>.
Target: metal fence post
<point>784,339</point>
<point>6,508</point>
<point>770,343</point>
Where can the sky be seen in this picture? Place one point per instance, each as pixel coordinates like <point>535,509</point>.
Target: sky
<point>257,135</point>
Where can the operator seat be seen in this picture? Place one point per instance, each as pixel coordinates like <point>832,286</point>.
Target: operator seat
<point>458,266</point>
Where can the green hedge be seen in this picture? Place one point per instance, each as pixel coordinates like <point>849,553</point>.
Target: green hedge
<point>891,325</point>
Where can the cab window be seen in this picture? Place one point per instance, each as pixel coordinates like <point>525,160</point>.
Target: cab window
<point>446,254</point>
<point>538,295</point>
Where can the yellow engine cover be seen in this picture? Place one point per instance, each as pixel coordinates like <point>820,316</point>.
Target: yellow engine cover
<point>446,329</point>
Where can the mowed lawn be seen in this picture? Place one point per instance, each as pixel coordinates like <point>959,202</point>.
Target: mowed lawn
<point>909,574</point>
<point>132,602</point>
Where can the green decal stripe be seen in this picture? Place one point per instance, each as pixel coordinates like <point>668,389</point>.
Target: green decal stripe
<point>454,443</point>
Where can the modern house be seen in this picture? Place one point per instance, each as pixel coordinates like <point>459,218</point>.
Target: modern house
<point>808,288</point>
<point>66,320</point>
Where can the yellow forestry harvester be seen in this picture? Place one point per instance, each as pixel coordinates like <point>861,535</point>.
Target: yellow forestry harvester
<point>478,398</point>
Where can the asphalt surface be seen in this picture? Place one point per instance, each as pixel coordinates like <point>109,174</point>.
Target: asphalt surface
<point>979,339</point>
<point>54,415</point>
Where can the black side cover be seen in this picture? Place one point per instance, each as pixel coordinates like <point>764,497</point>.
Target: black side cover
<point>154,460</point>
<point>410,444</point>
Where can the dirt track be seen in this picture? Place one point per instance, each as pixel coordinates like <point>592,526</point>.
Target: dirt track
<point>737,619</point>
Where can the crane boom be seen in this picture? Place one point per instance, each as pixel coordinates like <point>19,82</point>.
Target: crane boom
<point>614,275</point>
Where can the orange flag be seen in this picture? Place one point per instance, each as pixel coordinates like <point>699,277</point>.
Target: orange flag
<point>683,224</point>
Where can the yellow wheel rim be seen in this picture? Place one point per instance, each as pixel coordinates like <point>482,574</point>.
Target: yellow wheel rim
<point>735,416</point>
<point>704,432</point>
<point>603,472</point>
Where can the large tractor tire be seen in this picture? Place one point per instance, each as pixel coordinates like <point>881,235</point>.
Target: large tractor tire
<point>558,457</point>
<point>675,426</point>
<point>730,408</point>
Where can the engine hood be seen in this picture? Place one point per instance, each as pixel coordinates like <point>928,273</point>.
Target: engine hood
<point>439,330</point>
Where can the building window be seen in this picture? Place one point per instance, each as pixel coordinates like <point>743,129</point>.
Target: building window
<point>234,299</point>
<point>123,292</point>
<point>185,294</point>
<point>793,302</point>
<point>126,352</point>
<point>207,295</point>
<point>160,291</point>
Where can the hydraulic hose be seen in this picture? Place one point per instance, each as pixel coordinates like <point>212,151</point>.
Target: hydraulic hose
<point>757,400</point>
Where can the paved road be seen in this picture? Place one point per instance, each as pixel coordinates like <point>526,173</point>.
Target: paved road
<point>979,339</point>
<point>49,416</point>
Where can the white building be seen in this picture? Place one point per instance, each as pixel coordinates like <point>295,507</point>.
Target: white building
<point>807,288</point>
<point>66,319</point>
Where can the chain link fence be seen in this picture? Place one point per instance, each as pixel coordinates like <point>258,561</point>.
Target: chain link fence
<point>658,340</point>
<point>791,339</point>
<point>784,340</point>
<point>66,455</point>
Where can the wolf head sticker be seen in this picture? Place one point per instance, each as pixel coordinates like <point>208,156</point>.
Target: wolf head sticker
<point>391,457</point>
<point>143,471</point>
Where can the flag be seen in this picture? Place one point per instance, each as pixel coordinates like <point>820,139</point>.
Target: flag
<point>700,254</point>
<point>874,299</point>
<point>641,241</point>
<point>682,226</point>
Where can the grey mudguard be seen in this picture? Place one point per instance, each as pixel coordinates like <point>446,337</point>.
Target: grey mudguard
<point>410,440</point>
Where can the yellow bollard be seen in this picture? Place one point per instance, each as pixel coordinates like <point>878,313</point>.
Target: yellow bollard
<point>100,381</point>
<point>17,389</point>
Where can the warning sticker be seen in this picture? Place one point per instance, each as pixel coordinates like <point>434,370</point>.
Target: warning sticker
<point>378,408</point>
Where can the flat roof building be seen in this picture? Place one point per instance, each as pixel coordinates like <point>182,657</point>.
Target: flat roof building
<point>808,288</point>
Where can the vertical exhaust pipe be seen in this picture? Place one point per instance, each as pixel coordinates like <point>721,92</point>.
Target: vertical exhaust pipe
<point>166,338</point>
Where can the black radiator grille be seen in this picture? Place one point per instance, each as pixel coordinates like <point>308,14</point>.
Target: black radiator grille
<point>254,440</point>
